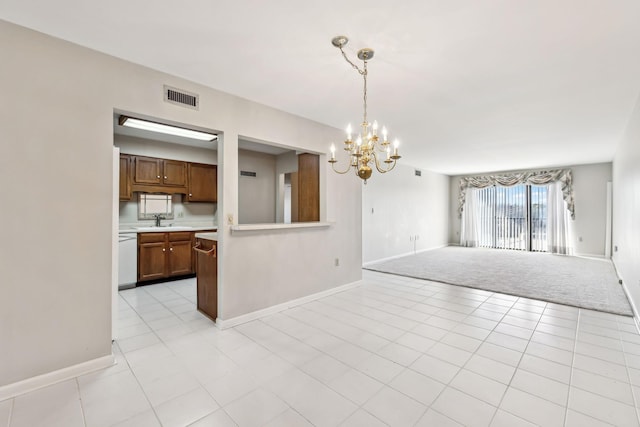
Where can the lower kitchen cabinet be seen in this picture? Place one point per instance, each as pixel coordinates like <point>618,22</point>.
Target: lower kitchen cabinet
<point>162,255</point>
<point>180,261</point>
<point>152,256</point>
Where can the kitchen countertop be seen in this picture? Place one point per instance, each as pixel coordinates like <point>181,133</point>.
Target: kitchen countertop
<point>207,236</point>
<point>165,229</point>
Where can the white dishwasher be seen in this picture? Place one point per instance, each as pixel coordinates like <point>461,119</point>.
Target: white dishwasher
<point>127,259</point>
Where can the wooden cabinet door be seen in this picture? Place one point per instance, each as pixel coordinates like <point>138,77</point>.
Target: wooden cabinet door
<point>308,187</point>
<point>125,177</point>
<point>152,261</point>
<point>180,258</point>
<point>207,279</point>
<point>175,173</point>
<point>203,183</point>
<point>147,170</point>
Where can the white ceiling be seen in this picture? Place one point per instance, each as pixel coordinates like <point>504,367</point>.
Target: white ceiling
<point>466,85</point>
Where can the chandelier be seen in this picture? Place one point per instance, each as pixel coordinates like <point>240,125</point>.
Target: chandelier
<point>368,149</point>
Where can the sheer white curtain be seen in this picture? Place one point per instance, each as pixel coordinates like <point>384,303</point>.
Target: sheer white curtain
<point>559,235</point>
<point>469,231</point>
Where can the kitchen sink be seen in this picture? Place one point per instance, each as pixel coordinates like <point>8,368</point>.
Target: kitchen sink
<point>165,229</point>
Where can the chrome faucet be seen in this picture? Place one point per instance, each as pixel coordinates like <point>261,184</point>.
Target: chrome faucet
<point>158,218</point>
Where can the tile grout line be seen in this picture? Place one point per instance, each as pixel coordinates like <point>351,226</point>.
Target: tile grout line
<point>516,367</point>
<point>82,411</point>
<point>634,394</point>
<point>575,353</point>
<point>134,374</point>
<point>11,409</point>
<point>447,385</point>
<point>573,358</point>
<point>153,408</point>
<point>392,298</point>
<point>358,406</point>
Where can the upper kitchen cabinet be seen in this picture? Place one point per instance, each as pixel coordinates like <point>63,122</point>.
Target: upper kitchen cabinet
<point>197,181</point>
<point>147,170</point>
<point>125,177</point>
<point>174,173</point>
<point>155,175</point>
<point>203,183</point>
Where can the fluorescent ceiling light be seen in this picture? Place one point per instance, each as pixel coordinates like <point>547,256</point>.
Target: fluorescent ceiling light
<point>167,129</point>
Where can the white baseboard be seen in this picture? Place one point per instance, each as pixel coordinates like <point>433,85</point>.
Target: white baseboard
<point>368,263</point>
<point>636,319</point>
<point>235,321</point>
<point>590,255</point>
<point>15,389</point>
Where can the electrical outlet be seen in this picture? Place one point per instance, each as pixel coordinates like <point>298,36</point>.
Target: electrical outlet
<point>180,214</point>
<point>230,219</point>
<point>580,239</point>
<point>337,262</point>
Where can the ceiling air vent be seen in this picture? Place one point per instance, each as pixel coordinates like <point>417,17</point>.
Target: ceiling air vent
<point>181,97</point>
<point>418,172</point>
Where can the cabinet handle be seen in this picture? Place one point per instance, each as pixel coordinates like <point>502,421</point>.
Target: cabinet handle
<point>164,177</point>
<point>211,252</point>
<point>190,194</point>
<point>158,176</point>
<point>163,249</point>
<point>171,249</point>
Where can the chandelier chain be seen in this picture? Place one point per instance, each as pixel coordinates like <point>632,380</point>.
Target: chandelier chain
<point>355,67</point>
<point>363,73</point>
<point>364,76</point>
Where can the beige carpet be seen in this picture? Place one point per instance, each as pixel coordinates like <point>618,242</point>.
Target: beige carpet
<point>579,282</point>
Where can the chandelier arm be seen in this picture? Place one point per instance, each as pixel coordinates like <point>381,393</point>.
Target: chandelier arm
<point>393,165</point>
<point>333,166</point>
<point>381,170</point>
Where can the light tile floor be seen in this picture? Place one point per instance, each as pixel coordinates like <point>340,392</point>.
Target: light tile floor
<point>393,351</point>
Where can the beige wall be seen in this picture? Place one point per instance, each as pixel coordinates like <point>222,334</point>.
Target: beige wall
<point>626,208</point>
<point>590,190</point>
<point>257,194</point>
<point>399,206</point>
<point>56,120</point>
<point>165,150</point>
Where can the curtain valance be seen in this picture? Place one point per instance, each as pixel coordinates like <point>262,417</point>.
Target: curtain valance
<point>509,179</point>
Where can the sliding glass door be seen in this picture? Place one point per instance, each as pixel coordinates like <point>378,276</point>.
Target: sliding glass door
<point>512,217</point>
<point>538,217</point>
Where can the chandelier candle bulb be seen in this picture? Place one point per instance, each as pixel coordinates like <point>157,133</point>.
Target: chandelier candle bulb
<point>333,152</point>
